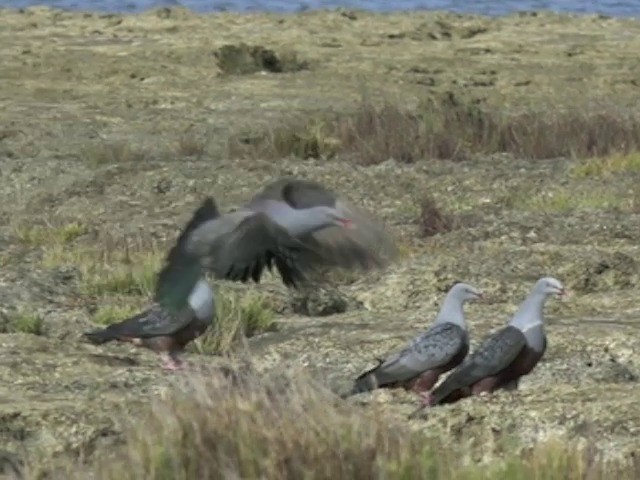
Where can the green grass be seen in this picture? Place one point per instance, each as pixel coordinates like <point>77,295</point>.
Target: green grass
<point>559,201</point>
<point>604,167</point>
<point>24,321</point>
<point>117,270</point>
<point>237,317</point>
<point>48,235</point>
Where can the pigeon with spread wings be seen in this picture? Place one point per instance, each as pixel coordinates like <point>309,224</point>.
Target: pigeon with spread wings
<point>297,225</point>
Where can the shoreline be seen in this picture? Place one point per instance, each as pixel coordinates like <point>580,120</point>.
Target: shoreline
<point>340,9</point>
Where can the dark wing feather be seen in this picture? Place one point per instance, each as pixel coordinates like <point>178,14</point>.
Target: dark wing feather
<point>432,349</point>
<point>494,355</point>
<point>255,244</point>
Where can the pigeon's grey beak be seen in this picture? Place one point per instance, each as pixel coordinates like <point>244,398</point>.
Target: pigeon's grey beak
<point>562,292</point>
<point>479,295</point>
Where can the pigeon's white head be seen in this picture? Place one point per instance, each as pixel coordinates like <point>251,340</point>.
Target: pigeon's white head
<point>330,216</point>
<point>464,292</point>
<point>452,307</point>
<point>549,286</point>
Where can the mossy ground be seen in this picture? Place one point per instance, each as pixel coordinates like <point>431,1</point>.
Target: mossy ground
<point>112,128</point>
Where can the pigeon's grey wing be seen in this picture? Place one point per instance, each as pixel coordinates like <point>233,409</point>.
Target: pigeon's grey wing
<point>206,214</point>
<point>258,243</point>
<point>154,322</point>
<point>494,355</point>
<point>298,193</point>
<point>206,237</point>
<point>367,245</point>
<point>433,349</point>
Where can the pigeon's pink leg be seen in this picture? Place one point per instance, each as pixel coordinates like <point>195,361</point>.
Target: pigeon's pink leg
<point>425,382</point>
<point>171,362</point>
<point>426,398</point>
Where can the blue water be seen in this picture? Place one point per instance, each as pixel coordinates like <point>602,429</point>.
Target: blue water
<point>623,8</point>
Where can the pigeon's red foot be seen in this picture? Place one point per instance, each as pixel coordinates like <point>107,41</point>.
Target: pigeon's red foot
<point>172,364</point>
<point>426,399</point>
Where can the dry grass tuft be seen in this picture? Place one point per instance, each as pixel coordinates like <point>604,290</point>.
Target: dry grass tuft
<point>111,266</point>
<point>107,153</point>
<point>449,127</point>
<point>190,144</point>
<point>432,219</point>
<point>277,426</point>
<point>237,317</point>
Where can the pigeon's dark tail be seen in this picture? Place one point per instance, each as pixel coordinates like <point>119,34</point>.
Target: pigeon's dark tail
<point>365,382</point>
<point>98,337</point>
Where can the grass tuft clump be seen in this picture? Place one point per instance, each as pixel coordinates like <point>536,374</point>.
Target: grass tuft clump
<point>432,219</point>
<point>448,127</point>
<point>243,59</point>
<point>22,321</point>
<point>108,153</point>
<point>190,144</point>
<point>603,167</point>
<point>287,426</point>
<point>111,267</point>
<point>43,235</point>
<point>237,317</point>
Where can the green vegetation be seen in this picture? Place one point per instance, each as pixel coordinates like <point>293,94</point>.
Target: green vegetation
<point>116,269</point>
<point>603,167</point>
<point>22,321</point>
<point>559,201</point>
<point>237,317</point>
<point>49,235</point>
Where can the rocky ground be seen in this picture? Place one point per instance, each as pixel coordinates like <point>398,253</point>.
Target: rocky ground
<point>112,128</point>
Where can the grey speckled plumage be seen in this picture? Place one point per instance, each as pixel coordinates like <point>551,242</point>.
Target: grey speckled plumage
<point>183,306</point>
<point>419,364</point>
<point>505,356</point>
<point>297,225</point>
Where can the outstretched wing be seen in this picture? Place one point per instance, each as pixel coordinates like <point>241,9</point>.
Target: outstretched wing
<point>367,245</point>
<point>255,244</point>
<point>492,357</point>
